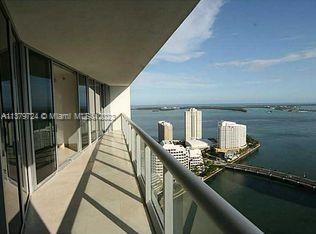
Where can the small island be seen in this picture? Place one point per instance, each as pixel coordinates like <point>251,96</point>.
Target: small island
<point>214,159</point>
<point>205,157</point>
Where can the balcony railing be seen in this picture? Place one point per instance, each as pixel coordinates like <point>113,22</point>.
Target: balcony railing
<point>177,200</point>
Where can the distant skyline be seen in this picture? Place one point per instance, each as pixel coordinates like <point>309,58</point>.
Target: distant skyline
<point>235,52</point>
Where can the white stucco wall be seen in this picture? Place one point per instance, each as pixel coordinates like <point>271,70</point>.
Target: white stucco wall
<point>120,102</point>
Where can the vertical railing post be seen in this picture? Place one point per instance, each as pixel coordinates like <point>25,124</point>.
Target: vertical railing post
<point>138,165</point>
<point>133,145</point>
<point>125,131</point>
<point>147,174</point>
<point>79,139</point>
<point>89,131</point>
<point>128,129</point>
<point>130,138</point>
<point>122,126</point>
<point>168,201</point>
<point>111,125</point>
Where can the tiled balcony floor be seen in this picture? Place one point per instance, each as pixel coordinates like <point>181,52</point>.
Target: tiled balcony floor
<point>96,193</point>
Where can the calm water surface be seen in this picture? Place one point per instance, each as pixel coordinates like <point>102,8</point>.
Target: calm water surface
<point>288,144</point>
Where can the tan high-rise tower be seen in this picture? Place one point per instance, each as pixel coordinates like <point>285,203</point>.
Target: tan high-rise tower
<point>193,124</point>
<point>165,131</point>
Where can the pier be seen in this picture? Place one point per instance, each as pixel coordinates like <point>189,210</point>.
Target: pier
<point>273,174</point>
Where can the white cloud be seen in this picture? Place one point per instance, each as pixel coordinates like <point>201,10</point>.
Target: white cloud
<point>290,38</point>
<point>263,81</point>
<point>263,63</point>
<point>185,43</point>
<point>152,80</point>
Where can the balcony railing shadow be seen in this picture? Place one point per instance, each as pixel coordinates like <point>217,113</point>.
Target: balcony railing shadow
<point>106,172</point>
<point>105,199</point>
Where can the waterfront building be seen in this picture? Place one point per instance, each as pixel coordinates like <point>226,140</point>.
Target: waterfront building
<point>165,131</point>
<point>176,150</point>
<point>193,124</point>
<point>195,159</point>
<point>231,135</point>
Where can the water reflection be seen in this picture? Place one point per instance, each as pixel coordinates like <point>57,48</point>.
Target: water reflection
<point>43,129</point>
<point>8,149</point>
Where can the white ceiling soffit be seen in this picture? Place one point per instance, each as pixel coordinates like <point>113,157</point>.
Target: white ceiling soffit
<point>111,41</point>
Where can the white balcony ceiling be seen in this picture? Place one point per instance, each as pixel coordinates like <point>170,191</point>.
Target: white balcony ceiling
<point>111,41</point>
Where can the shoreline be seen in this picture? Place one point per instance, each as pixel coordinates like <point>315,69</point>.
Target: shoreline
<point>203,107</point>
<point>244,155</point>
<point>205,178</point>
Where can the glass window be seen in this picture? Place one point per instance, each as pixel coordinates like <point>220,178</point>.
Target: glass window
<point>104,103</point>
<point>98,106</point>
<point>92,108</point>
<point>20,123</point>
<point>9,162</point>
<point>83,104</point>
<point>43,129</point>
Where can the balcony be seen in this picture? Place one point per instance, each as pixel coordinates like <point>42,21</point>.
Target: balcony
<point>112,187</point>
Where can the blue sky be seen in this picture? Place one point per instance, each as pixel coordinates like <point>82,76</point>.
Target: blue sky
<point>235,51</point>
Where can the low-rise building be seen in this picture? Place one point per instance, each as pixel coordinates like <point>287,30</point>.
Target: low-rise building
<point>176,150</point>
<point>195,159</point>
<point>200,144</point>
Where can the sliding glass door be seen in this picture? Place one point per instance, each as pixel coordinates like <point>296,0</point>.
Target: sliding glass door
<point>42,106</point>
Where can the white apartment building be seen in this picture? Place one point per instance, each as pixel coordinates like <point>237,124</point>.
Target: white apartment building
<point>195,159</point>
<point>177,151</point>
<point>165,131</point>
<point>193,124</point>
<point>231,135</point>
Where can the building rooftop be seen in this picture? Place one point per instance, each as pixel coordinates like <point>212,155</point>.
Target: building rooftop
<point>229,123</point>
<point>164,123</point>
<point>199,143</point>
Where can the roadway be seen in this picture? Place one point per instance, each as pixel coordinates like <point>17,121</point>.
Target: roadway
<point>273,174</point>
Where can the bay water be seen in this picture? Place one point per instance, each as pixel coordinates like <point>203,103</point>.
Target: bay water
<point>288,144</point>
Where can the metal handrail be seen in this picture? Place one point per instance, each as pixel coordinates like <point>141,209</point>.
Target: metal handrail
<point>225,215</point>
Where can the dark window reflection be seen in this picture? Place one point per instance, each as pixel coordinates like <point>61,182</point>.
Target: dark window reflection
<point>92,108</point>
<point>98,106</point>
<point>43,130</point>
<point>83,103</point>
<point>9,171</point>
<point>8,109</point>
<point>104,102</point>
<point>20,122</point>
<point>83,95</point>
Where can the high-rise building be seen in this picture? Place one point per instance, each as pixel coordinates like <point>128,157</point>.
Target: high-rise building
<point>231,135</point>
<point>193,124</point>
<point>165,131</point>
